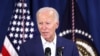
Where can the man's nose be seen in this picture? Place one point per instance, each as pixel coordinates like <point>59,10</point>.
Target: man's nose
<point>44,27</point>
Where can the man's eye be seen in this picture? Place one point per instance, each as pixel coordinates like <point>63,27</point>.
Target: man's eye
<point>40,23</point>
<point>47,23</point>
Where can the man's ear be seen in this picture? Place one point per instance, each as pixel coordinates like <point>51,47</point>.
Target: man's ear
<point>57,25</point>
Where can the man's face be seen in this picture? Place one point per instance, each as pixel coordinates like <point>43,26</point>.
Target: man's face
<point>47,24</point>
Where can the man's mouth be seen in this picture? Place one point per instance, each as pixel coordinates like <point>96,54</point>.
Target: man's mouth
<point>44,33</point>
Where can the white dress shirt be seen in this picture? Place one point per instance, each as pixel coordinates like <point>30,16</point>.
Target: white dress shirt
<point>51,45</point>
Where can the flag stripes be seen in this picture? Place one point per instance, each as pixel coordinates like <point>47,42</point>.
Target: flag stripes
<point>8,49</point>
<point>4,52</point>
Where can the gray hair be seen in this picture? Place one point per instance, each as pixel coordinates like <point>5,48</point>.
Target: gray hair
<point>49,8</point>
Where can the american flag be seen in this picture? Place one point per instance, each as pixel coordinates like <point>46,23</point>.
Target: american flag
<point>20,29</point>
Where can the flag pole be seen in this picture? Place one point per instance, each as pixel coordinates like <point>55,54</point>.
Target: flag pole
<point>23,20</point>
<point>73,20</point>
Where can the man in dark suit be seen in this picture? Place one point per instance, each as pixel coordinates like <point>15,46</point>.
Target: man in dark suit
<point>48,43</point>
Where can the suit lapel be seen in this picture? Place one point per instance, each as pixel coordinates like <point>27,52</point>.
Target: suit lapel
<point>59,42</point>
<point>40,47</point>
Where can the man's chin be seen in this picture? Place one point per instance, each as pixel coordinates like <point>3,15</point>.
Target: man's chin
<point>46,37</point>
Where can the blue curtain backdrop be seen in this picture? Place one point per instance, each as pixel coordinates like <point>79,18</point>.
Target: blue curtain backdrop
<point>90,10</point>
<point>6,7</point>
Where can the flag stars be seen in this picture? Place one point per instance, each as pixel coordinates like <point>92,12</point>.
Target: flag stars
<point>21,29</point>
<point>27,23</point>
<point>64,32</point>
<point>20,10</point>
<point>28,17</point>
<point>28,11</point>
<point>76,31</point>
<point>17,10</point>
<point>31,35</point>
<point>24,11</point>
<point>60,34</point>
<point>26,29</point>
<point>83,33</point>
<point>16,35</point>
<point>26,36</point>
<point>21,35</point>
<point>22,23</point>
<point>25,5</point>
<point>31,29</point>
<point>90,36</point>
<point>14,22</point>
<point>79,31</point>
<point>12,28</point>
<point>18,23</point>
<point>86,34</point>
<point>18,47</point>
<point>15,16</point>
<point>11,35</point>
<point>24,40</point>
<point>15,41</point>
<point>23,17</point>
<point>19,16</point>
<point>67,32</point>
<point>32,24</point>
<point>20,42</point>
<point>17,29</point>
<point>19,4</point>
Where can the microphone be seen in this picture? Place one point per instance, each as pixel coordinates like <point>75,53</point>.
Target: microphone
<point>60,51</point>
<point>47,51</point>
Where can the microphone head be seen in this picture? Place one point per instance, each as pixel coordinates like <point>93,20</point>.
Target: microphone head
<point>47,51</point>
<point>60,51</point>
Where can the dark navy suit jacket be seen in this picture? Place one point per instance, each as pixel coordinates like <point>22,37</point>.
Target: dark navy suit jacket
<point>34,47</point>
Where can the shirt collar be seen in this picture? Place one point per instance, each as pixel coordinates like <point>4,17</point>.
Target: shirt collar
<point>44,41</point>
